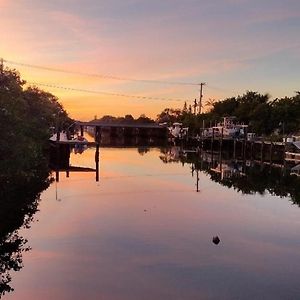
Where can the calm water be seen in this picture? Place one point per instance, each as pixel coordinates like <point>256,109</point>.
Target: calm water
<point>143,232</point>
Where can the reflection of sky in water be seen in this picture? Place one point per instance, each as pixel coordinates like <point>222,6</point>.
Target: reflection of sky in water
<point>143,232</point>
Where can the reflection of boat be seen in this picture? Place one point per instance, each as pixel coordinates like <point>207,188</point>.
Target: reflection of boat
<point>209,157</point>
<point>78,148</point>
<point>293,151</point>
<point>228,170</point>
<point>295,170</point>
<point>174,154</point>
<point>177,131</point>
<point>80,145</point>
<point>80,139</point>
<point>228,128</point>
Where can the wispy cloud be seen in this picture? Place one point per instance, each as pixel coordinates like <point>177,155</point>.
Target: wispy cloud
<point>224,42</point>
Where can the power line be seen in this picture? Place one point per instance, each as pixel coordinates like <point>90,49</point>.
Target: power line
<point>220,89</point>
<point>101,92</point>
<point>46,68</point>
<point>112,77</point>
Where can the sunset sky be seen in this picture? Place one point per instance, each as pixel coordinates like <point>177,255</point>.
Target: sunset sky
<point>232,45</point>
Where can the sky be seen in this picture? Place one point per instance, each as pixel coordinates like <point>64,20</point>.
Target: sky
<point>232,45</point>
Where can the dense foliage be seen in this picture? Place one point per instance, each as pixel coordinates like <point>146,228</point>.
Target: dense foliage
<point>26,116</point>
<point>264,117</point>
<point>127,119</point>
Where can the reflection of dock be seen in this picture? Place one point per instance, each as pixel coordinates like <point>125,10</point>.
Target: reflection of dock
<point>60,161</point>
<point>75,143</point>
<point>76,169</point>
<point>292,156</point>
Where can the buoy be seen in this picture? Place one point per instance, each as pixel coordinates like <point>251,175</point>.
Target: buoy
<point>216,240</point>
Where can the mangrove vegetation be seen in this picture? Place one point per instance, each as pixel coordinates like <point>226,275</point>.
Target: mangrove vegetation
<point>26,117</point>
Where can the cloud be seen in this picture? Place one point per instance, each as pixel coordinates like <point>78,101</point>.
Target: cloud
<point>215,41</point>
<point>4,3</point>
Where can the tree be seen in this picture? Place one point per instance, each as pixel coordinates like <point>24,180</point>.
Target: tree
<point>25,117</point>
<point>129,119</point>
<point>169,115</point>
<point>185,109</point>
<point>143,119</point>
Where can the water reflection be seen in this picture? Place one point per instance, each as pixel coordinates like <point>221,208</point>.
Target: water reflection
<point>21,184</point>
<point>246,176</point>
<point>142,232</point>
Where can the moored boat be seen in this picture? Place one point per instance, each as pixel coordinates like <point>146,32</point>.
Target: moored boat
<point>228,129</point>
<point>177,131</point>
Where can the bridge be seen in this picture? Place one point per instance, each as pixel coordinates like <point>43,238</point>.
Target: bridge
<point>61,147</point>
<point>126,129</point>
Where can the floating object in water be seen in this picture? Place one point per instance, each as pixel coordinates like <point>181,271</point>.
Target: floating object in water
<point>216,240</point>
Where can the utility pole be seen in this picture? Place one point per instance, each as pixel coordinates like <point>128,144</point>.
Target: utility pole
<point>201,96</point>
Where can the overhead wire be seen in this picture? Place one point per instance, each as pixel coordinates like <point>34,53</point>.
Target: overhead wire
<point>101,92</point>
<point>112,77</point>
<point>104,76</point>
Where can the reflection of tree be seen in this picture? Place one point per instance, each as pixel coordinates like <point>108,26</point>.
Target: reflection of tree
<point>143,150</point>
<point>25,118</point>
<point>261,180</point>
<point>254,179</point>
<point>19,197</point>
<point>22,178</point>
<point>11,248</point>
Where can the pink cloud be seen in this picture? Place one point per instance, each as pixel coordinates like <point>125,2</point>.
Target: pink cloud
<point>4,3</point>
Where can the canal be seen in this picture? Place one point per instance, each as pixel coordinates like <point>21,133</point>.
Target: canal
<point>143,231</point>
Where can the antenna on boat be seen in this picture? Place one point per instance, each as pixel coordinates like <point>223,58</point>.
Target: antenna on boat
<point>201,96</point>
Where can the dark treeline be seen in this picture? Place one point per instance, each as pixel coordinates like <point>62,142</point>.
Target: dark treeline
<point>26,116</point>
<point>279,117</point>
<point>127,119</point>
<point>263,115</point>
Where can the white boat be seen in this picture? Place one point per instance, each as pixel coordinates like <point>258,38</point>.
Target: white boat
<point>228,128</point>
<point>62,137</point>
<point>177,131</point>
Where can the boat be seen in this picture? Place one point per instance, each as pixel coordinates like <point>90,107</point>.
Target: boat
<point>62,136</point>
<point>79,143</point>
<point>177,131</point>
<point>295,170</point>
<point>228,129</point>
